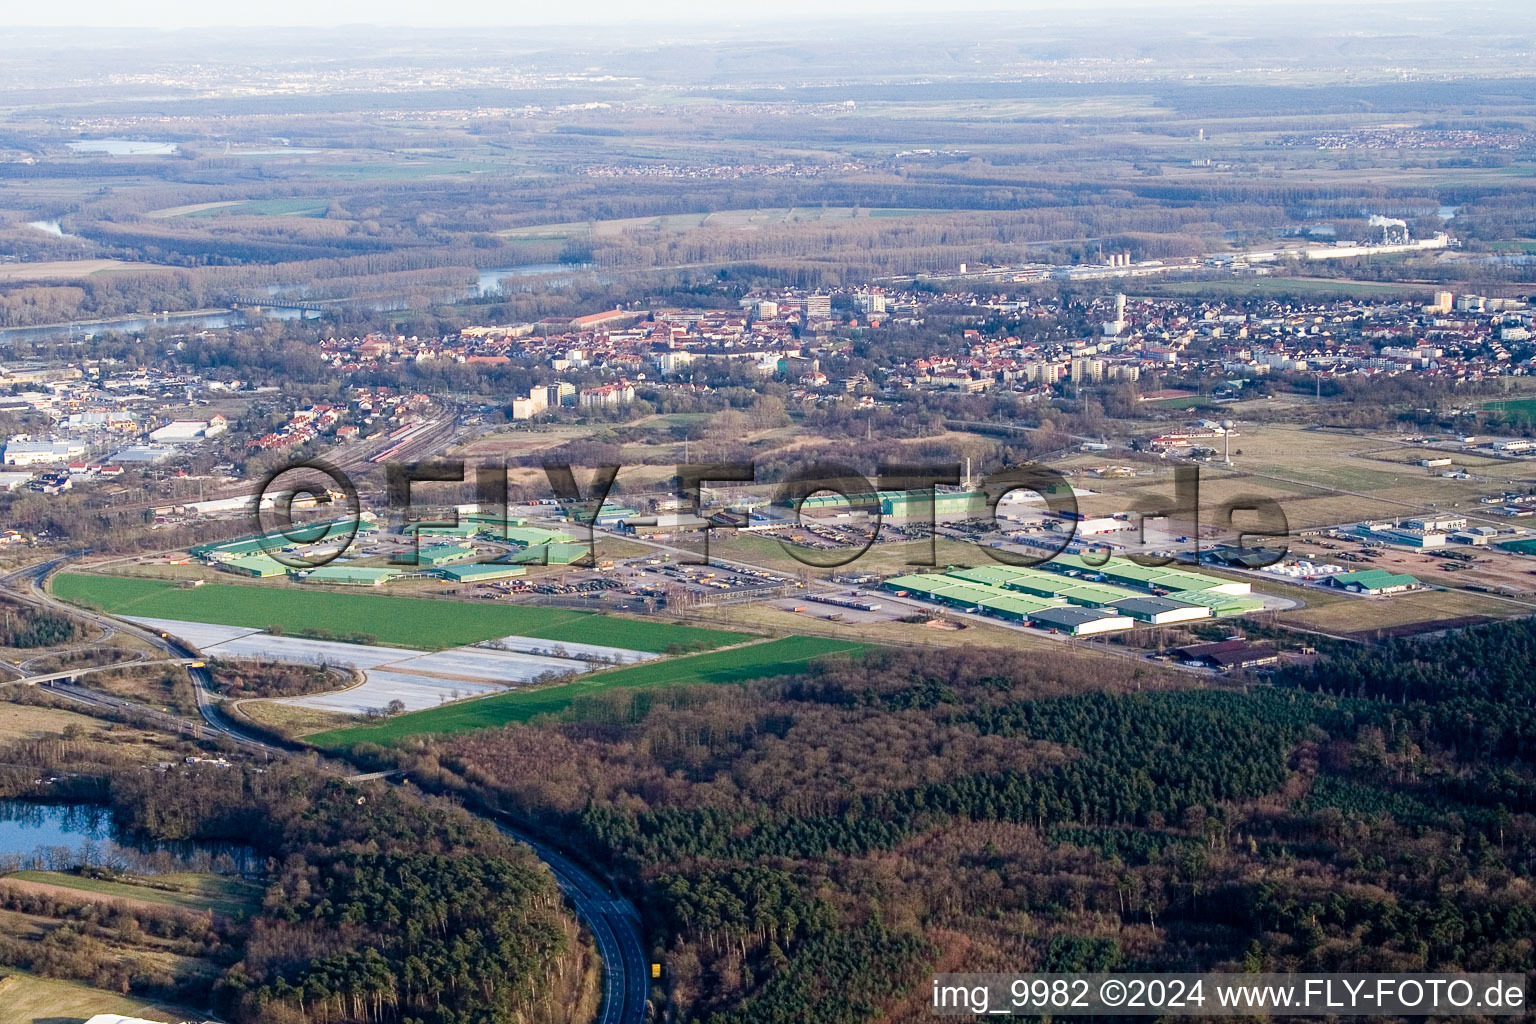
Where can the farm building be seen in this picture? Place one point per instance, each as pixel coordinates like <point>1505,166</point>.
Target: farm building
<point>258,566</point>
<point>1160,611</point>
<point>1080,621</point>
<point>1374,582</point>
<point>351,576</point>
<point>442,554</point>
<point>1228,655</point>
<point>298,535</point>
<point>1015,607</point>
<point>528,536</point>
<point>479,573</point>
<point>1245,558</point>
<point>922,503</point>
<point>915,504</point>
<point>1220,604</point>
<point>462,529</point>
<point>1019,593</point>
<point>1160,579</point>
<point>553,553</point>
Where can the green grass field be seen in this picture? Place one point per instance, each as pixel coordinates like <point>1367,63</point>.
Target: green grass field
<point>28,999</point>
<point>268,208</point>
<point>231,896</point>
<point>1517,410</point>
<point>780,657</point>
<point>1192,402</point>
<point>403,621</point>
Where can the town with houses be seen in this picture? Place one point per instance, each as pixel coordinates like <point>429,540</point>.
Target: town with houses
<point>102,418</point>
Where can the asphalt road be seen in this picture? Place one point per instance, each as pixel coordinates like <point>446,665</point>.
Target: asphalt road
<point>613,920</point>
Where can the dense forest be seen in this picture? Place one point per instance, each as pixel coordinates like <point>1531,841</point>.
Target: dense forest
<point>25,626</point>
<point>877,818</point>
<point>381,906</point>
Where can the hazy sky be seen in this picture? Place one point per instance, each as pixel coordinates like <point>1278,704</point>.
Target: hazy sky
<point>458,13</point>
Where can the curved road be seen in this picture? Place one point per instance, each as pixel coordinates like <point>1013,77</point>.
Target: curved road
<point>613,920</point>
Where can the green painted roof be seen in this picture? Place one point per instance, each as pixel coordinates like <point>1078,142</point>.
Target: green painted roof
<point>462,529</point>
<point>1019,605</point>
<point>1220,604</point>
<point>259,565</point>
<point>479,573</point>
<point>489,519</point>
<point>445,552</point>
<point>1097,594</point>
<point>350,574</point>
<point>991,575</point>
<point>1375,579</point>
<point>300,534</point>
<point>919,583</point>
<point>553,554</point>
<point>530,535</point>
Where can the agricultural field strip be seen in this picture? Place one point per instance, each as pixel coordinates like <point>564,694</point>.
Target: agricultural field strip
<point>413,623</point>
<point>418,679</point>
<point>760,659</point>
<point>211,893</point>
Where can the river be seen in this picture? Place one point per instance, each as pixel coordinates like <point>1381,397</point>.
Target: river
<point>198,320</point>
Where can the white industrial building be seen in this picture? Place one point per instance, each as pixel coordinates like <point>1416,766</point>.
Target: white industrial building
<point>22,452</point>
<point>182,431</point>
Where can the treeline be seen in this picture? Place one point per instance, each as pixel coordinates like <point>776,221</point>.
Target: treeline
<point>27,626</point>
<point>120,946</point>
<point>923,801</point>
<point>382,906</point>
<point>1471,690</point>
<point>238,679</point>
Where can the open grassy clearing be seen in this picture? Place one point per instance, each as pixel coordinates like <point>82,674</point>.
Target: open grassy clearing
<point>679,222</point>
<point>217,893</point>
<point>1362,614</point>
<point>1307,469</point>
<point>264,208</point>
<point>28,999</point>
<point>780,657</point>
<point>189,209</point>
<point>92,735</point>
<point>20,722</point>
<point>290,720</point>
<point>1281,286</point>
<point>408,622</point>
<point>69,270</point>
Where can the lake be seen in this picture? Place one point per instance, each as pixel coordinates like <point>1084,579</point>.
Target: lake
<point>57,837</point>
<point>123,147</point>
